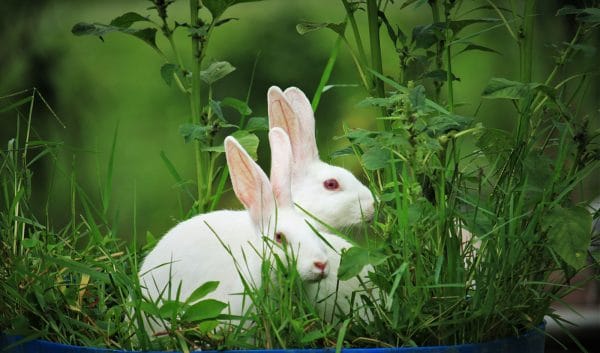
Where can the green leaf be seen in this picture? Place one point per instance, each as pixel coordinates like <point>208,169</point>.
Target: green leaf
<point>306,27</point>
<point>148,35</point>
<point>204,310</point>
<point>478,47</point>
<point>193,132</point>
<point>169,309</point>
<point>216,71</point>
<point>494,144</point>
<point>387,102</point>
<point>149,308</point>
<point>425,36</point>
<point>569,234</point>
<point>248,140</point>
<point>441,124</point>
<point>238,105</point>
<point>347,151</point>
<point>215,107</point>
<point>312,336</point>
<point>375,158</point>
<point>501,88</point>
<point>440,75</point>
<point>167,71</point>
<point>257,124</point>
<point>218,7</point>
<point>589,14</point>
<point>202,291</point>
<point>355,259</point>
<point>417,98</point>
<point>127,19</point>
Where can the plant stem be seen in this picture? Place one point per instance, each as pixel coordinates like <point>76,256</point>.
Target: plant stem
<point>196,104</point>
<point>376,63</point>
<point>449,84</point>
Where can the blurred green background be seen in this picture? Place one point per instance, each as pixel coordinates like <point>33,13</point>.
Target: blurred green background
<point>95,86</point>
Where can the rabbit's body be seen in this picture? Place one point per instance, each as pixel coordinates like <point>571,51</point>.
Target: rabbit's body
<point>191,254</point>
<point>224,245</point>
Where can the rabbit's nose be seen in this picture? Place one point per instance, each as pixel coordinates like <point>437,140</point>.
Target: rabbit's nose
<point>320,265</point>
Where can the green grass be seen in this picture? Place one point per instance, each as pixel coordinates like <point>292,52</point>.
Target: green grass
<point>435,172</point>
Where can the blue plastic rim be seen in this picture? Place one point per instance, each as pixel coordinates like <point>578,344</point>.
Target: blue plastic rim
<point>530,342</point>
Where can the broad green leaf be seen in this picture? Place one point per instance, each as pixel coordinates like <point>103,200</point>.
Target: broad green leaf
<point>207,326</point>
<point>312,336</point>
<point>203,310</point>
<point>215,107</point>
<point>216,71</point>
<point>501,88</point>
<point>218,7</point>
<point>257,124</point>
<point>202,291</point>
<point>569,234</point>
<point>238,105</point>
<point>169,309</point>
<point>375,158</point>
<point>127,19</point>
<point>355,259</point>
<point>306,27</point>
<point>247,139</point>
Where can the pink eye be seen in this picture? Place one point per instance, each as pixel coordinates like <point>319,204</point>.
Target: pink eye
<point>331,184</point>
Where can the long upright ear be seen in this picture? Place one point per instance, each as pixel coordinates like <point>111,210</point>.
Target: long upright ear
<point>300,130</point>
<point>281,167</point>
<point>250,184</point>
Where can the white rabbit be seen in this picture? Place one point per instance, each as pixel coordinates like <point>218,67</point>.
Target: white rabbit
<point>332,194</point>
<point>193,252</point>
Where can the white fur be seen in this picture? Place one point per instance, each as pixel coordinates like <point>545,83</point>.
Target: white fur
<point>352,202</point>
<point>193,252</point>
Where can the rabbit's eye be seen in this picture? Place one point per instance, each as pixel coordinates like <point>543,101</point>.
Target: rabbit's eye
<point>331,184</point>
<point>279,237</point>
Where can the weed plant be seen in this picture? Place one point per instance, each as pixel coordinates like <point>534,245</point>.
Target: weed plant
<point>469,244</point>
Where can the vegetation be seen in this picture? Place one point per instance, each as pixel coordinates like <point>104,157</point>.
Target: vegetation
<point>463,206</point>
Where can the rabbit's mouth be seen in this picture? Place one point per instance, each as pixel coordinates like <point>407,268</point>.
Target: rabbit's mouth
<point>317,277</point>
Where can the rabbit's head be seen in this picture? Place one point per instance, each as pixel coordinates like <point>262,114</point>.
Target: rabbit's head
<point>331,194</point>
<point>270,206</point>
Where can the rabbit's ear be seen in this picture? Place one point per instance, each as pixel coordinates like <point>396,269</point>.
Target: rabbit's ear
<point>281,167</point>
<point>295,117</point>
<point>250,184</point>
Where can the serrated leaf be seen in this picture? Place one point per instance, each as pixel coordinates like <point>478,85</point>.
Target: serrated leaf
<point>202,291</point>
<point>588,14</point>
<point>441,124</point>
<point>375,158</point>
<point>378,102</point>
<point>127,19</point>
<point>417,98</point>
<point>204,310</point>
<point>425,36</point>
<point>569,234</point>
<point>216,71</point>
<point>193,132</point>
<point>459,25</point>
<point>306,27</point>
<point>257,124</point>
<point>238,105</point>
<point>355,259</point>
